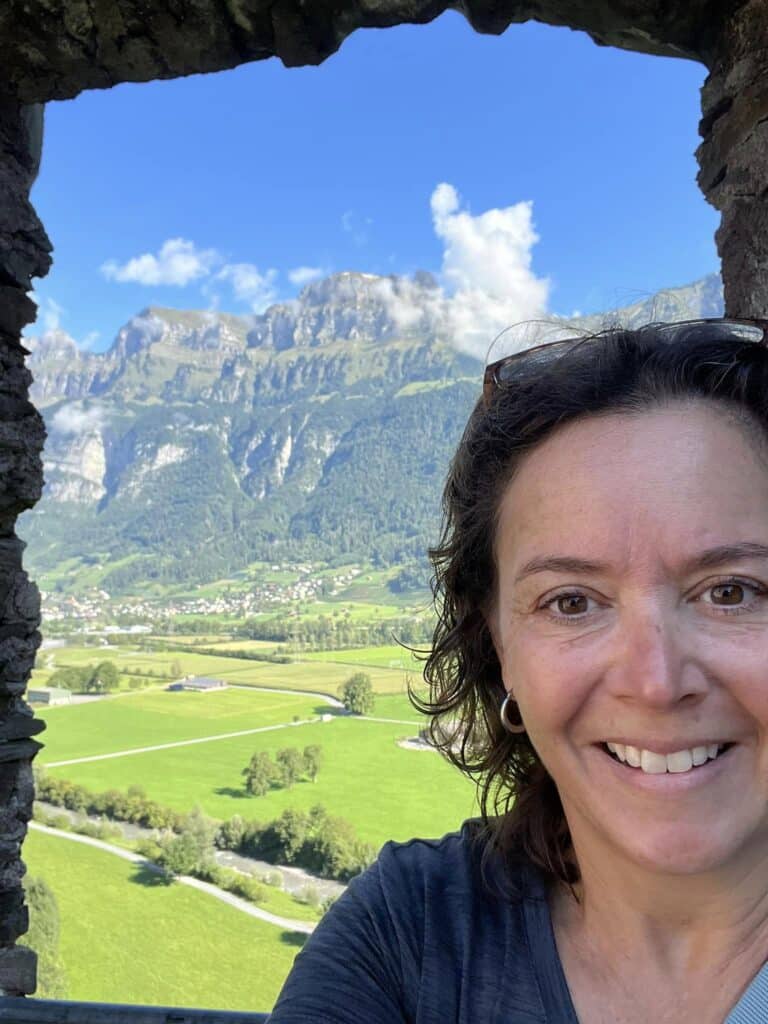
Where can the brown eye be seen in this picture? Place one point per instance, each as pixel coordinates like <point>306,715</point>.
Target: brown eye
<point>729,592</point>
<point>566,604</point>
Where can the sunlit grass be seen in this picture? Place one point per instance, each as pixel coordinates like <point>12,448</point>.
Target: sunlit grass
<point>128,938</point>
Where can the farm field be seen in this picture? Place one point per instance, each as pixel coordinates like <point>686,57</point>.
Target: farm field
<point>301,675</point>
<point>389,656</point>
<point>158,716</point>
<point>126,937</point>
<point>387,792</point>
<point>261,646</point>
<point>318,676</point>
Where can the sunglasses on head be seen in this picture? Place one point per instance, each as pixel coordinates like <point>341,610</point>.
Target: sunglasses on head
<point>505,372</point>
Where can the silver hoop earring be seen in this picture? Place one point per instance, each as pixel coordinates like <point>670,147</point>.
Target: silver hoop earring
<point>509,726</point>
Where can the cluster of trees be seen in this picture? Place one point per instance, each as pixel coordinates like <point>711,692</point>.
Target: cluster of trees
<point>334,632</point>
<point>100,678</point>
<point>316,840</point>
<point>43,937</point>
<point>274,657</point>
<point>105,676</point>
<point>357,694</point>
<point>133,806</point>
<point>290,765</point>
<point>188,851</point>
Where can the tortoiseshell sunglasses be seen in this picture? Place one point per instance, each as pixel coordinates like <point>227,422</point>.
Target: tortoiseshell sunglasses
<point>505,372</point>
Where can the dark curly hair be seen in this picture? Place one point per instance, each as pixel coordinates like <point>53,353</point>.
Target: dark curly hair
<point>615,371</point>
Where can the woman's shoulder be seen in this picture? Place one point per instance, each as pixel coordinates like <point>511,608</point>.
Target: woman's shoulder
<point>423,929</point>
<point>460,864</point>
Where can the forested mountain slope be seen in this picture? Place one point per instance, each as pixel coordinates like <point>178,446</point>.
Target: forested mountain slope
<point>321,429</point>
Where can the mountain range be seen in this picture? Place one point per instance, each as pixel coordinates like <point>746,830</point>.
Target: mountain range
<point>319,430</point>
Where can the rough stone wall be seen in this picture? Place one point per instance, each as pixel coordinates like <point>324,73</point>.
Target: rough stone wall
<point>54,49</point>
<point>24,253</point>
<point>733,157</point>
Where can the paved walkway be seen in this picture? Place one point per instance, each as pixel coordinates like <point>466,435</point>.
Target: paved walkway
<point>195,883</point>
<point>294,879</point>
<point>179,743</point>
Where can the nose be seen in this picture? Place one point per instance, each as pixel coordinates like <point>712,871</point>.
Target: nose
<point>654,664</point>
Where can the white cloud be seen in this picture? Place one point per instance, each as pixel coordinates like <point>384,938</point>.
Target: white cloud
<point>356,226</point>
<point>178,263</point>
<point>486,269</point>
<point>89,341</point>
<point>486,280</point>
<point>410,305</point>
<point>48,324</point>
<point>49,314</point>
<point>75,419</point>
<point>250,285</point>
<point>303,275</point>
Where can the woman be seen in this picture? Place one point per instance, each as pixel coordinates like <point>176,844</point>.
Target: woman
<point>600,667</point>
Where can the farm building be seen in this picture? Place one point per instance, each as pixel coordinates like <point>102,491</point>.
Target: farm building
<point>199,684</point>
<point>49,695</point>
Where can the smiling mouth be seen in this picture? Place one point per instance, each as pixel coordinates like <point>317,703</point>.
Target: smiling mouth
<point>650,763</point>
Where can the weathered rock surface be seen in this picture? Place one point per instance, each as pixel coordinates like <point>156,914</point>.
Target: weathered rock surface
<point>53,49</point>
<point>733,157</point>
<point>24,254</point>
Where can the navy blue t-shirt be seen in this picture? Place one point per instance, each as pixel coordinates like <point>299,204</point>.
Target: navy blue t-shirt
<point>427,934</point>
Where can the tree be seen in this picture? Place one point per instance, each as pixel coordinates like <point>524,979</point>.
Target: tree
<point>43,937</point>
<point>176,670</point>
<point>260,774</point>
<point>357,694</point>
<point>192,849</point>
<point>290,764</point>
<point>230,834</point>
<point>313,758</point>
<point>103,678</point>
<point>66,678</point>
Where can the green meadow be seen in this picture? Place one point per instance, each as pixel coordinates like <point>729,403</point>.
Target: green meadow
<point>387,792</point>
<point>128,938</point>
<point>147,718</point>
<point>389,656</point>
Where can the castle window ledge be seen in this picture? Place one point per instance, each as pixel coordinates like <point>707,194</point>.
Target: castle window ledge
<point>22,1010</point>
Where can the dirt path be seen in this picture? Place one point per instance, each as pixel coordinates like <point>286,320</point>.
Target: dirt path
<point>220,894</point>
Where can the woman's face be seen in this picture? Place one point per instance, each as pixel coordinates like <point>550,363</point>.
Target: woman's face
<point>653,648</point>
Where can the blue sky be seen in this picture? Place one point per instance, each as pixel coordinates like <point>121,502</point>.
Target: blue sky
<point>533,170</point>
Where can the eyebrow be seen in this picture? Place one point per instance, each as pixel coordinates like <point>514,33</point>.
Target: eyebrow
<point>712,558</point>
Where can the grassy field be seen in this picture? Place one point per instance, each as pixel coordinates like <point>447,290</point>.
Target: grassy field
<point>324,677</point>
<point>389,656</point>
<point>126,938</point>
<point>282,903</point>
<point>149,718</point>
<point>387,792</point>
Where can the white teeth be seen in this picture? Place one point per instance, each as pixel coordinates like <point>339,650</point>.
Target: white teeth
<point>656,764</point>
<point>633,756</point>
<point>652,764</point>
<point>680,761</point>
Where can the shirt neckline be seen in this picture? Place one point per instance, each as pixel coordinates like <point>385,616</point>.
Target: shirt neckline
<point>547,965</point>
